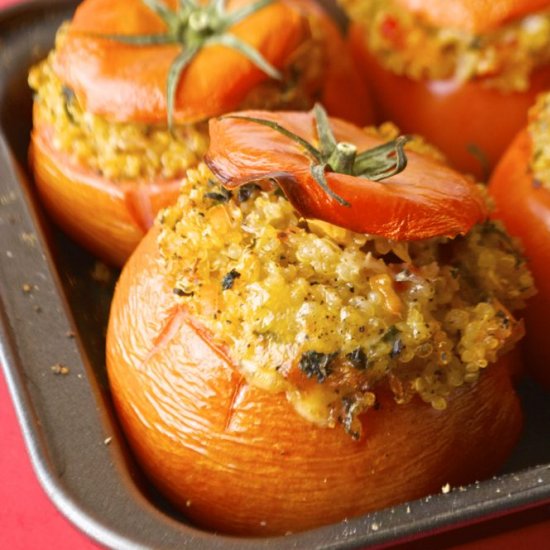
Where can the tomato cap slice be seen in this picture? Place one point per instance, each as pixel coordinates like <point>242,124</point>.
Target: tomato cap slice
<point>125,82</point>
<point>428,199</point>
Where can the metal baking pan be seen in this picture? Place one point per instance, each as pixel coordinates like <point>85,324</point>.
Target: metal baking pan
<point>53,311</point>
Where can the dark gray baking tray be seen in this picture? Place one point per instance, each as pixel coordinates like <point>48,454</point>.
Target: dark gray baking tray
<point>52,311</point>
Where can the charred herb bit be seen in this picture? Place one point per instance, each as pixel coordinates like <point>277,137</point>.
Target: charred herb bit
<point>314,363</point>
<point>246,191</point>
<point>504,319</point>
<point>229,279</point>
<point>180,292</point>
<point>222,195</point>
<point>397,348</point>
<point>392,335</point>
<point>351,408</point>
<point>68,98</point>
<point>358,358</point>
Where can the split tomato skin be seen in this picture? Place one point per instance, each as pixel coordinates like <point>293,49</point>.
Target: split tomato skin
<point>465,120</point>
<point>239,460</point>
<point>524,206</point>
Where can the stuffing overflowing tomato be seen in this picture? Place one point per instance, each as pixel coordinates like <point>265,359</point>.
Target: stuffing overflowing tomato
<point>317,328</point>
<point>520,187</point>
<point>121,103</point>
<point>462,73</point>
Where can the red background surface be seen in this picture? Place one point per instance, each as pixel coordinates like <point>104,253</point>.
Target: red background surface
<point>29,521</point>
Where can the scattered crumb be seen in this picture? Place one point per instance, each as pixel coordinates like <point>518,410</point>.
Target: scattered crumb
<point>101,273</point>
<point>8,198</point>
<point>29,238</point>
<point>9,254</point>
<point>27,288</point>
<point>375,526</point>
<point>462,489</point>
<point>38,309</point>
<point>70,334</point>
<point>107,440</point>
<point>446,488</point>
<point>79,376</point>
<point>408,509</point>
<point>58,368</point>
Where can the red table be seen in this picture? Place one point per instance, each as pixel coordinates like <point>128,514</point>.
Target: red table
<point>29,521</point>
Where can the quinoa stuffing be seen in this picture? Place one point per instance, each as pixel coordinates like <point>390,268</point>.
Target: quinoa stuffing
<point>329,316</point>
<point>407,45</point>
<point>539,130</point>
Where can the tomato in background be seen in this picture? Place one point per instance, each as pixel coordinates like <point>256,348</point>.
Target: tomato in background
<point>470,123</point>
<point>524,206</point>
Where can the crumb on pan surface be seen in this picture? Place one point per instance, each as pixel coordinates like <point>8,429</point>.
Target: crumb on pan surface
<point>407,45</point>
<point>128,151</point>
<point>539,130</point>
<point>327,315</point>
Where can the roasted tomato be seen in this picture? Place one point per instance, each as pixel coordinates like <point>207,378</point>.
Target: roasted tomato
<point>520,186</point>
<point>316,328</point>
<point>121,103</point>
<point>462,73</point>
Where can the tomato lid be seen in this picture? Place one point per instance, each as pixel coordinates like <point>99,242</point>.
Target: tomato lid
<point>125,82</point>
<point>425,199</point>
<point>475,16</point>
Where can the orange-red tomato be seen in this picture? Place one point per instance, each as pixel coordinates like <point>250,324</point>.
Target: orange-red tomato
<point>240,460</point>
<point>426,200</point>
<point>470,122</point>
<point>524,207</point>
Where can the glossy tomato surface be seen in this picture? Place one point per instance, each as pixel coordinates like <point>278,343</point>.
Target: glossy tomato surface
<point>524,206</point>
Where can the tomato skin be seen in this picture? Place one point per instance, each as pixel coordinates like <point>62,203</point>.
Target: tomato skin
<point>239,460</point>
<point>451,117</point>
<point>525,210</point>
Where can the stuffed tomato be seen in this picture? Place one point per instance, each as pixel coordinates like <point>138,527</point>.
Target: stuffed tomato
<point>462,73</point>
<point>121,103</point>
<point>319,327</point>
